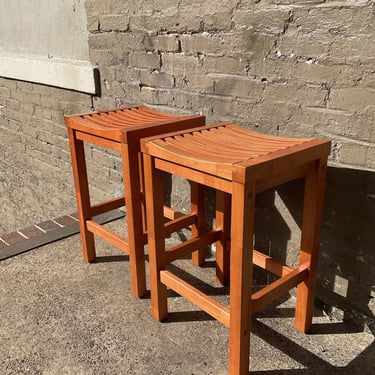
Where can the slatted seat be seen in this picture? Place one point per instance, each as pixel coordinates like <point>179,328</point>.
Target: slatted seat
<point>238,163</point>
<point>119,130</point>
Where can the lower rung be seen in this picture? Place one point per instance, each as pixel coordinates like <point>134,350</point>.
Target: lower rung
<point>106,206</point>
<point>194,295</point>
<point>279,287</point>
<point>108,235</point>
<point>267,263</point>
<point>193,244</point>
<point>171,214</point>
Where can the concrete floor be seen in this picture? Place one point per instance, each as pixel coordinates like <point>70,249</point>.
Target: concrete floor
<point>60,315</point>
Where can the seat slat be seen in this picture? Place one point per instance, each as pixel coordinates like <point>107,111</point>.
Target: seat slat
<point>212,146</point>
<point>133,117</point>
<point>265,137</point>
<point>228,143</point>
<point>220,170</point>
<point>244,142</point>
<point>207,153</point>
<point>126,119</point>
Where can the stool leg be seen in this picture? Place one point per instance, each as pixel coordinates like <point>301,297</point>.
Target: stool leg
<point>223,220</point>
<point>81,186</point>
<point>156,240</point>
<point>134,217</point>
<point>142,189</point>
<point>197,207</point>
<point>243,200</point>
<point>311,223</point>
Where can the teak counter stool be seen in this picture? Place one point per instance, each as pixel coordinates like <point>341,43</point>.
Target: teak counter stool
<point>120,130</point>
<point>238,163</point>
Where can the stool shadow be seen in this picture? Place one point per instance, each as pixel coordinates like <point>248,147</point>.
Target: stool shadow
<point>364,363</point>
<point>345,280</point>
<point>273,310</point>
<point>198,283</point>
<point>314,365</point>
<point>111,258</point>
<point>188,316</point>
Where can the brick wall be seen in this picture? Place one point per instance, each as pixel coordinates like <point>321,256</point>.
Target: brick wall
<point>281,66</point>
<point>35,170</point>
<point>34,152</point>
<point>303,68</point>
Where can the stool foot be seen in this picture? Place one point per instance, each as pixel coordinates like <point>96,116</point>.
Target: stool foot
<point>138,272</point>
<point>88,246</point>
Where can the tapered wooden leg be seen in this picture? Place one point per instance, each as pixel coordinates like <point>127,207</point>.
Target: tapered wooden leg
<point>197,207</point>
<point>311,223</point>
<point>133,199</point>
<point>243,200</point>
<point>156,241</point>
<point>223,220</point>
<point>142,189</point>
<point>81,186</point>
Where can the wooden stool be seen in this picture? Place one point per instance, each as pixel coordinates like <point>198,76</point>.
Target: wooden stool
<point>119,130</point>
<point>238,163</point>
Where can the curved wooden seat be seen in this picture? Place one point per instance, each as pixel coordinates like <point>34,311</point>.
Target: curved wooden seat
<point>217,149</point>
<point>119,130</point>
<point>130,124</point>
<point>237,163</point>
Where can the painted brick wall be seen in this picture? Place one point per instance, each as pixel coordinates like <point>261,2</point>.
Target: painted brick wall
<point>285,67</point>
<point>35,170</point>
<point>34,154</point>
<point>302,67</point>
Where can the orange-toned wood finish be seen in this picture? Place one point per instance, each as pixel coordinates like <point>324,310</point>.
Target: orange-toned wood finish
<point>238,163</point>
<point>120,130</point>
